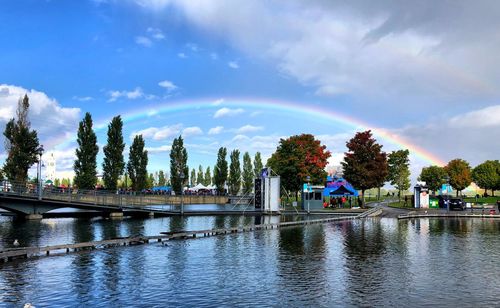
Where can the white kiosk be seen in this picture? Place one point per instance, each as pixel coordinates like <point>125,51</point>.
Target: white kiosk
<point>421,195</point>
<point>267,192</point>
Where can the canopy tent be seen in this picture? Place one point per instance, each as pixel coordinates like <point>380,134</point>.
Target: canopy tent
<point>339,187</point>
<point>198,186</point>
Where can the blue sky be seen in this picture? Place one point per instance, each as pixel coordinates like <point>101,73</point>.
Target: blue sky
<point>427,73</point>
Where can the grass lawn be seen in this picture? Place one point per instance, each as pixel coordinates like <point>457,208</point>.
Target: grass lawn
<point>401,204</point>
<point>489,200</point>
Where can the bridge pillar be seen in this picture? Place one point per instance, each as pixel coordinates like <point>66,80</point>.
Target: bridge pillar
<point>116,215</point>
<point>33,217</point>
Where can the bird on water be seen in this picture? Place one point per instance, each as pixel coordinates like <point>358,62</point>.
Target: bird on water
<point>16,242</point>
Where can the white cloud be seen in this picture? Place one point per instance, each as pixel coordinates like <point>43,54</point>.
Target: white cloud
<point>218,102</point>
<point>83,98</point>
<point>249,129</point>
<point>191,131</point>
<point>134,94</point>
<point>160,149</point>
<point>52,121</point>
<point>489,116</point>
<point>223,112</point>
<point>155,33</point>
<point>426,53</point>
<point>182,55</point>
<point>167,84</point>
<point>215,130</point>
<point>158,133</point>
<point>144,41</point>
<point>233,64</point>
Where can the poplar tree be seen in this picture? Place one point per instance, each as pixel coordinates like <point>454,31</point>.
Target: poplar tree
<point>399,170</point>
<point>257,162</point>
<point>192,178</point>
<point>85,165</point>
<point>114,163</point>
<point>234,181</point>
<point>207,177</point>
<point>21,143</point>
<point>248,174</point>
<point>137,164</point>
<point>178,165</point>
<point>161,178</point>
<point>199,177</point>
<point>220,170</point>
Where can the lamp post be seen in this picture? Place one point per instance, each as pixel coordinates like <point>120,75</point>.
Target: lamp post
<point>39,171</point>
<point>308,178</point>
<point>181,176</point>
<point>447,179</point>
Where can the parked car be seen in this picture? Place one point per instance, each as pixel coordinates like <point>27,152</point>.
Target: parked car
<point>456,204</point>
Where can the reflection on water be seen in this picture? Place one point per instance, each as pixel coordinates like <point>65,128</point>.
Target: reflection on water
<point>373,262</point>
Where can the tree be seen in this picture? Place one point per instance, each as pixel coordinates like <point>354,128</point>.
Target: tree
<point>220,170</point>
<point>114,163</point>
<point>487,175</point>
<point>178,165</point>
<point>161,178</point>
<point>192,178</point>
<point>57,182</point>
<point>248,174</point>
<point>199,177</point>
<point>151,181</point>
<point>207,177</point>
<point>234,180</point>
<point>257,162</point>
<point>460,174</point>
<point>433,176</point>
<point>399,170</point>
<point>86,155</point>
<point>298,157</point>
<point>365,165</point>
<point>21,143</point>
<point>137,164</point>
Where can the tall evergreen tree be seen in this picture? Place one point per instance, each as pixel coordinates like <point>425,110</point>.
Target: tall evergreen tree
<point>161,178</point>
<point>234,180</point>
<point>207,177</point>
<point>114,163</point>
<point>257,163</point>
<point>399,170</point>
<point>248,174</point>
<point>150,181</point>
<point>365,165</point>
<point>178,165</point>
<point>21,143</point>
<point>137,164</point>
<point>192,178</point>
<point>85,165</point>
<point>220,170</point>
<point>199,177</point>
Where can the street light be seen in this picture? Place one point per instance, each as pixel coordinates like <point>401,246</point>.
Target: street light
<point>308,178</point>
<point>39,171</point>
<point>181,176</point>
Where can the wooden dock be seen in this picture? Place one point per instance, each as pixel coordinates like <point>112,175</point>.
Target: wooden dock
<point>27,252</point>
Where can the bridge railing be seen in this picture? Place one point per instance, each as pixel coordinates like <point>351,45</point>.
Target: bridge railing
<point>104,197</point>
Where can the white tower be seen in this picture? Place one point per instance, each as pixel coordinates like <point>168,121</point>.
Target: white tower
<point>51,167</point>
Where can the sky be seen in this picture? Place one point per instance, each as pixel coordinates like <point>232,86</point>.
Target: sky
<point>423,75</point>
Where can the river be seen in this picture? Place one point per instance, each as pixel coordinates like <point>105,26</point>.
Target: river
<point>372,262</point>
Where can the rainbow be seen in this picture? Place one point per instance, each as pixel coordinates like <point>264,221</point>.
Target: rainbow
<point>311,111</point>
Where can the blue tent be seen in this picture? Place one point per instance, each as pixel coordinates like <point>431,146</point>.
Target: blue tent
<point>162,188</point>
<point>337,187</point>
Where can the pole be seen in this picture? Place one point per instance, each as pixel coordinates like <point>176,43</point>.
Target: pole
<point>39,171</point>
<point>182,201</point>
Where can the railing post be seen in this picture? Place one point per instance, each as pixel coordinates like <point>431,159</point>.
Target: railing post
<point>95,197</point>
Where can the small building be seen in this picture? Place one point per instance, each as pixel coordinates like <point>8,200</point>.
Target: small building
<point>312,197</point>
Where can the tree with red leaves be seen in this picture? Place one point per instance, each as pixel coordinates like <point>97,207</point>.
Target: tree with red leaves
<point>365,165</point>
<point>298,157</point>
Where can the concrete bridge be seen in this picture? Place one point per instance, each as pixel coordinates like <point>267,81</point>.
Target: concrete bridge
<point>27,203</point>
